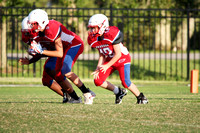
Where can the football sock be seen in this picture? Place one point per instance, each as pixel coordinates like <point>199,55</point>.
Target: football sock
<point>74,95</point>
<point>116,90</point>
<point>84,89</point>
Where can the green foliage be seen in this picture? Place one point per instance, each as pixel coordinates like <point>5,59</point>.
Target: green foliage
<point>17,3</point>
<point>141,3</point>
<point>85,4</point>
<point>107,3</point>
<point>186,4</point>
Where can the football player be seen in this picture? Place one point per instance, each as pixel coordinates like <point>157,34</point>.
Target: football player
<point>68,46</point>
<point>113,55</point>
<point>27,37</point>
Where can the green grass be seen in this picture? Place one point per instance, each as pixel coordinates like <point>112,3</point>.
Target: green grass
<point>171,108</point>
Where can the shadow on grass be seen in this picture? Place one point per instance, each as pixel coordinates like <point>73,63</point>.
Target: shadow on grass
<point>187,99</point>
<point>10,102</point>
<point>36,100</point>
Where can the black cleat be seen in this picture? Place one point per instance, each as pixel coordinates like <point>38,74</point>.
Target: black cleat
<point>141,99</point>
<point>65,98</point>
<point>120,95</point>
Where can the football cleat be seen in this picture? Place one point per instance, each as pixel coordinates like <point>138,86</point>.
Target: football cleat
<point>88,98</point>
<point>141,99</point>
<point>120,95</point>
<point>92,93</point>
<point>72,100</point>
<point>65,96</point>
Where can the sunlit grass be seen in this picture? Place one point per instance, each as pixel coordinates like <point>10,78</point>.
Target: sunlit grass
<point>171,108</point>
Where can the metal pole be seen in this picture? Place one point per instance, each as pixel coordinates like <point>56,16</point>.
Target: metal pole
<point>188,42</point>
<point>111,15</point>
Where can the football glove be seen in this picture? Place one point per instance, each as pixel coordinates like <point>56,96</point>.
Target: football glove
<point>37,47</point>
<point>31,51</point>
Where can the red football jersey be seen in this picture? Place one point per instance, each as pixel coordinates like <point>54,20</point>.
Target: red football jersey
<point>54,30</point>
<point>105,44</point>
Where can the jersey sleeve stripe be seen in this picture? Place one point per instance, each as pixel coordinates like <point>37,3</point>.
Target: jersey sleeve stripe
<point>59,30</point>
<point>114,38</point>
<point>92,43</point>
<point>76,45</point>
<point>67,37</point>
<point>108,40</point>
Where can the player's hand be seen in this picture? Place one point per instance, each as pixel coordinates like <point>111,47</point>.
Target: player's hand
<point>24,61</point>
<point>37,47</point>
<point>95,74</point>
<point>103,68</point>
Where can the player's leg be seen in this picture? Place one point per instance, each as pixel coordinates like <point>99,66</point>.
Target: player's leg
<point>76,80</point>
<point>50,68</point>
<point>101,81</point>
<point>141,99</point>
<point>57,88</point>
<point>70,58</point>
<point>124,72</point>
<point>47,80</point>
<point>67,87</point>
<point>54,86</point>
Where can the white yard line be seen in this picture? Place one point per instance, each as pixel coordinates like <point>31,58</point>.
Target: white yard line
<point>32,85</point>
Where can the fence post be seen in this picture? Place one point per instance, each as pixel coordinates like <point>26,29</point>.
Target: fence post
<point>13,33</point>
<point>3,47</point>
<point>188,42</point>
<point>111,15</point>
<point>194,81</point>
<point>34,5</point>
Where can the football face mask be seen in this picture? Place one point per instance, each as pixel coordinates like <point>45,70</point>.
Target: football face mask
<point>93,30</point>
<point>34,26</point>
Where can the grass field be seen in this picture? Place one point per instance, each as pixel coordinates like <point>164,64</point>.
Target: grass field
<point>34,108</point>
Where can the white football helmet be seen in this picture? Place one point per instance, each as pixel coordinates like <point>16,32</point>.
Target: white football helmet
<point>40,17</point>
<point>99,20</point>
<point>26,29</point>
<point>25,25</point>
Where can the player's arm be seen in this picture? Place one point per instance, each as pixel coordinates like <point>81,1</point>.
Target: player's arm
<point>59,49</point>
<point>116,57</point>
<point>101,60</point>
<point>35,58</point>
<point>26,61</point>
